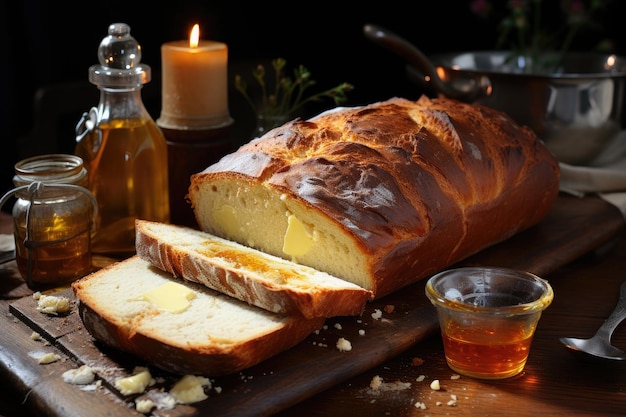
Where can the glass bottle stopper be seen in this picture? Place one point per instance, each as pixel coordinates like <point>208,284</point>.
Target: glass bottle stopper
<point>119,57</point>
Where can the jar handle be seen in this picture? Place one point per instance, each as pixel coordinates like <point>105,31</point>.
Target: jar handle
<point>88,123</point>
<point>36,185</point>
<point>10,194</point>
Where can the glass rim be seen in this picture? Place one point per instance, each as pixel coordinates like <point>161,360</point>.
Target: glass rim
<point>537,305</point>
<point>50,168</point>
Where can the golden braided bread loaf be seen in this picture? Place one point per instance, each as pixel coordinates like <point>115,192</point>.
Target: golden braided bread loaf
<point>381,195</point>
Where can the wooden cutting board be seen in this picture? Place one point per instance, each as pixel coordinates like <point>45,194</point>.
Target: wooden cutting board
<point>389,326</point>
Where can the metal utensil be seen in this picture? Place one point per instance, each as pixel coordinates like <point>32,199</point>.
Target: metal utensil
<point>600,344</point>
<point>577,109</point>
<point>468,88</point>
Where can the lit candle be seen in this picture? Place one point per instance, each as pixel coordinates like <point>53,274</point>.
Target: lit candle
<point>194,84</point>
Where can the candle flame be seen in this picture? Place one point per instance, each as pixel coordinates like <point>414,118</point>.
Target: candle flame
<point>194,38</point>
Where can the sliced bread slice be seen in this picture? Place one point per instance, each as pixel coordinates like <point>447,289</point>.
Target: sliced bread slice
<point>263,280</point>
<point>180,326</point>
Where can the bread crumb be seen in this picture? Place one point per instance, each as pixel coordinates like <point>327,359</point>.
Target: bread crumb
<point>338,326</point>
<point>452,401</point>
<point>420,405</point>
<point>80,376</point>
<point>376,382</point>
<point>435,385</point>
<point>455,376</point>
<point>48,358</point>
<point>35,336</point>
<point>361,332</point>
<point>144,406</point>
<point>53,305</point>
<point>190,389</point>
<point>377,314</point>
<point>136,383</point>
<point>344,345</point>
<point>420,378</point>
<point>96,385</point>
<point>160,399</point>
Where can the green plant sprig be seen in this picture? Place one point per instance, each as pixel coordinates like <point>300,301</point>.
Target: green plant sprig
<point>523,29</point>
<point>288,94</point>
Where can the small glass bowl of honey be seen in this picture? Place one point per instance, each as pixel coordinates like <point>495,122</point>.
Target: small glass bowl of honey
<point>488,317</point>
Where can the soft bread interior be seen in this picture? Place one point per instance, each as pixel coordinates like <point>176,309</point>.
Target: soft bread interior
<point>180,326</point>
<point>212,321</point>
<point>261,279</point>
<point>262,218</point>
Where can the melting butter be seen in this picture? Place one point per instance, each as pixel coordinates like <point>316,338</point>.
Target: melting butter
<point>172,297</point>
<point>297,241</point>
<point>225,217</point>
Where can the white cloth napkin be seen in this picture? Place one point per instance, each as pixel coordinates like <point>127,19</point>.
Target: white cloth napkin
<point>604,176</point>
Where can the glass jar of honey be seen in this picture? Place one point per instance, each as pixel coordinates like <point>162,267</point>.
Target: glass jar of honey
<point>53,220</point>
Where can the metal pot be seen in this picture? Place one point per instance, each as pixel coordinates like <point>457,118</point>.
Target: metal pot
<point>576,109</point>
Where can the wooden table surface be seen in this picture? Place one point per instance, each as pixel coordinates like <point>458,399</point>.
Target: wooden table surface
<point>555,381</point>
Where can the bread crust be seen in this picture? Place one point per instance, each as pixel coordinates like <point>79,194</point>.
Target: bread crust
<point>414,186</point>
<point>259,279</point>
<point>190,359</point>
<point>219,354</point>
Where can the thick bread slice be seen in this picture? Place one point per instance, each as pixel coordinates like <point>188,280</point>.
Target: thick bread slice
<point>263,280</point>
<point>381,195</point>
<point>215,335</point>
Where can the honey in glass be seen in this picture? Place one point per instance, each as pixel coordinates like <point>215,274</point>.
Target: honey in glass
<point>485,350</point>
<point>488,317</point>
<point>53,219</point>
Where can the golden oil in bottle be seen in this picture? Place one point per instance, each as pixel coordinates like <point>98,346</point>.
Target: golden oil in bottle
<point>124,151</point>
<point>129,178</point>
<point>53,219</point>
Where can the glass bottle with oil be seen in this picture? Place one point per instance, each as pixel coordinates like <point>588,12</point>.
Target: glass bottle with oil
<point>124,151</point>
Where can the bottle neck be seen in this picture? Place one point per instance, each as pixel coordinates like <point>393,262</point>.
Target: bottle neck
<point>121,103</point>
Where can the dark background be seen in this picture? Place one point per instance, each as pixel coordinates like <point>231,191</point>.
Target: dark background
<point>46,42</point>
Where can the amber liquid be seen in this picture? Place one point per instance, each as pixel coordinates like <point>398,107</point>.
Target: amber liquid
<point>58,249</point>
<point>129,178</point>
<point>486,353</point>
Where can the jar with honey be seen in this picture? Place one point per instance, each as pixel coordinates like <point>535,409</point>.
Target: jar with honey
<point>124,151</point>
<point>53,220</point>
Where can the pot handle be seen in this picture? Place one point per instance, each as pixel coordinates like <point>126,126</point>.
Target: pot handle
<point>466,89</point>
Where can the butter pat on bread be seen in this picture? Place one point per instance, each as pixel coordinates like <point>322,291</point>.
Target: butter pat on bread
<point>263,280</point>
